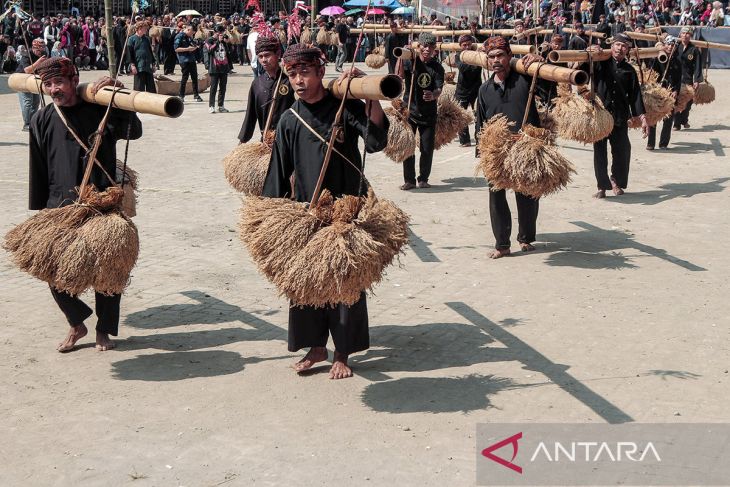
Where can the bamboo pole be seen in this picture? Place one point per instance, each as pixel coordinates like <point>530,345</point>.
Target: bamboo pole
<point>111,53</point>
<point>384,87</point>
<point>415,27</point>
<point>526,33</point>
<point>640,36</point>
<point>548,72</point>
<point>582,56</point>
<point>711,45</point>
<point>591,33</point>
<point>126,99</point>
<point>407,53</point>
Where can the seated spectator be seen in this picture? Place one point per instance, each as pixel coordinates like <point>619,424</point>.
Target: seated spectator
<point>81,56</point>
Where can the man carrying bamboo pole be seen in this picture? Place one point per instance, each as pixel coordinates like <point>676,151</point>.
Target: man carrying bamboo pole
<point>57,162</point>
<point>300,149</point>
<point>617,85</point>
<point>507,93</point>
<point>424,79</point>
<point>670,76</point>
<point>467,85</point>
<point>393,40</point>
<point>263,88</point>
<point>691,58</point>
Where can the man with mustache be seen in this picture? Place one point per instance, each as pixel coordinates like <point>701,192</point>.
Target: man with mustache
<point>300,150</point>
<point>506,93</point>
<point>57,163</point>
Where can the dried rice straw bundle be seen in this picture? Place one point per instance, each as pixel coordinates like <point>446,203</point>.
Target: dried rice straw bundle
<point>83,245</point>
<point>328,255</point>
<point>245,167</point>
<point>128,177</point>
<point>322,37</point>
<point>494,141</point>
<point>379,50</point>
<point>534,164</point>
<point>333,38</point>
<point>450,77</point>
<point>686,93</point>
<point>375,61</point>
<point>401,138</point>
<point>582,120</point>
<point>547,121</point>
<point>658,103</point>
<point>705,93</point>
<point>448,90</point>
<point>450,120</point>
<point>234,37</point>
<point>645,73</point>
<point>306,37</point>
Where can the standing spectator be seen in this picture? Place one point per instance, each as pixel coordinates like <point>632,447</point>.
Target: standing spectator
<point>251,48</point>
<point>140,58</point>
<point>219,56</point>
<point>243,30</point>
<point>120,38</point>
<point>67,41</point>
<point>27,63</point>
<point>51,33</point>
<point>91,34</point>
<point>185,48</point>
<point>585,11</point>
<point>342,34</point>
<point>168,46</point>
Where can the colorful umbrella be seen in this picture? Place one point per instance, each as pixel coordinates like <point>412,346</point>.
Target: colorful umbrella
<point>192,13</point>
<point>333,10</point>
<point>403,11</point>
<point>375,11</point>
<point>353,11</point>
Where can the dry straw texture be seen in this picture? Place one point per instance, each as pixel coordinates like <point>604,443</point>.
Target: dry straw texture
<point>129,177</point>
<point>450,78</point>
<point>246,166</point>
<point>306,37</point>
<point>322,37</point>
<point>658,104</point>
<point>401,138</point>
<point>450,120</point>
<point>686,93</point>
<point>534,164</point>
<point>375,61</point>
<point>705,93</point>
<point>333,38</point>
<point>495,139</point>
<point>580,119</point>
<point>77,247</point>
<point>328,255</point>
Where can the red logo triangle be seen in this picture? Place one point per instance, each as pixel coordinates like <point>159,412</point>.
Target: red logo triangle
<point>487,452</point>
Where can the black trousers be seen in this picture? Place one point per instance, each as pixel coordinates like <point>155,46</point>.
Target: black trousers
<point>427,135</point>
<point>682,118</point>
<point>664,135</point>
<point>216,81</point>
<point>189,70</point>
<point>76,311</point>
<point>170,61</point>
<point>348,325</point>
<point>620,158</point>
<point>391,64</point>
<point>464,137</point>
<point>501,217</point>
<point>144,81</point>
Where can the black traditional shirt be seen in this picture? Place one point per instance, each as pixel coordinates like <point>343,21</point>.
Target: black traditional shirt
<point>508,99</point>
<point>673,78</point>
<point>56,159</point>
<point>297,150</point>
<point>469,81</point>
<point>259,101</point>
<point>691,59</point>
<point>429,77</point>
<point>617,85</point>
<point>139,53</point>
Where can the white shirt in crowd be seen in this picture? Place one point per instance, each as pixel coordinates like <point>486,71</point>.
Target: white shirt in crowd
<point>251,47</point>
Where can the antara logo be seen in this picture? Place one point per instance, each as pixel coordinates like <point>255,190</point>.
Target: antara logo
<point>487,452</point>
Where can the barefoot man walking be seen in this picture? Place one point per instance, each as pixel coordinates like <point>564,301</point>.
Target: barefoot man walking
<point>57,167</point>
<point>299,149</point>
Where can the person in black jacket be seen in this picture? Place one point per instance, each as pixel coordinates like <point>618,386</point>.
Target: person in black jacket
<point>691,59</point>
<point>670,75</point>
<point>220,53</point>
<point>617,85</point>
<point>57,164</point>
<point>506,93</point>
<point>392,41</point>
<point>140,58</point>
<point>467,85</point>
<point>422,106</point>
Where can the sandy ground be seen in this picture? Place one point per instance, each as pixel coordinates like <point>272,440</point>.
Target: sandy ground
<point>620,315</point>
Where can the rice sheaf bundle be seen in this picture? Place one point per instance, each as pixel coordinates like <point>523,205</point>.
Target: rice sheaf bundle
<point>547,121</point>
<point>450,120</point>
<point>580,119</point>
<point>128,177</point>
<point>705,93</point>
<point>534,164</point>
<point>658,104</point>
<point>306,37</point>
<point>85,245</point>
<point>322,37</point>
<point>328,254</point>
<point>495,139</point>
<point>333,38</point>
<point>245,167</point>
<point>686,94</point>
<point>401,138</point>
<point>375,60</point>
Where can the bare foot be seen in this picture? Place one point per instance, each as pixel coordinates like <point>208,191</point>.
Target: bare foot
<point>75,333</point>
<point>103,342</point>
<point>315,354</point>
<point>340,369</point>
<point>600,194</point>
<point>616,190</point>
<point>499,253</point>
<point>525,247</point>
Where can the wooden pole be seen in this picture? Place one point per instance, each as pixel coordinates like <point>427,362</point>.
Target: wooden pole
<point>582,56</point>
<point>111,53</point>
<point>384,87</point>
<point>548,72</point>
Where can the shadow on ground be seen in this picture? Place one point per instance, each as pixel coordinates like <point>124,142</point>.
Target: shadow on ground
<point>162,367</point>
<point>668,192</point>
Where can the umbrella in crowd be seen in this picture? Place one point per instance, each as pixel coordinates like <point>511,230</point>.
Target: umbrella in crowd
<point>375,11</point>
<point>192,13</point>
<point>353,11</point>
<point>403,11</point>
<point>333,10</point>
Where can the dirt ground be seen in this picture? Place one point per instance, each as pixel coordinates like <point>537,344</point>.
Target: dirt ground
<point>620,315</point>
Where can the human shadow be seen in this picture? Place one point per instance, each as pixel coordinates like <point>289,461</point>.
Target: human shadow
<point>206,310</point>
<point>694,148</point>
<point>196,340</point>
<point>708,128</point>
<point>8,144</point>
<point>589,260</point>
<point>173,366</point>
<point>514,348</point>
<point>455,184</point>
<point>675,374</point>
<point>420,247</point>
<point>668,192</point>
<point>435,394</point>
<point>594,240</point>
